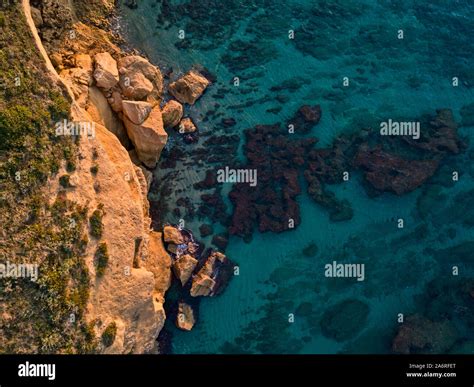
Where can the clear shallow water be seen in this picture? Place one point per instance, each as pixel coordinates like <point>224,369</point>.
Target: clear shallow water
<point>389,78</point>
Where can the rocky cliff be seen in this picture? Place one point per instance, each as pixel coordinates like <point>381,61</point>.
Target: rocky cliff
<point>115,101</point>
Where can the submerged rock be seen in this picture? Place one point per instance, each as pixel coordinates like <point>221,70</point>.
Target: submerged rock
<point>271,203</point>
<point>344,320</point>
<point>205,230</point>
<point>389,172</point>
<point>189,88</point>
<point>221,241</point>
<point>419,334</point>
<point>305,118</point>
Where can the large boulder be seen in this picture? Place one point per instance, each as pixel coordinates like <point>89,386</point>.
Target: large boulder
<point>172,235</point>
<point>185,318</point>
<point>149,138</point>
<point>183,267</point>
<point>172,113</point>
<point>136,111</point>
<point>106,72</point>
<point>189,88</point>
<point>213,277</point>
<point>139,78</point>
<point>202,286</point>
<point>135,85</point>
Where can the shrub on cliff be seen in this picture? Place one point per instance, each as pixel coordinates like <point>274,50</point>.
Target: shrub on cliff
<point>101,259</point>
<point>95,222</point>
<point>108,336</point>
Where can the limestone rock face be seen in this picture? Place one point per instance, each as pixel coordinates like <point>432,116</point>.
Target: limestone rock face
<point>79,78</point>
<point>183,267</point>
<point>189,88</point>
<point>136,111</point>
<point>106,73</point>
<point>185,319</point>
<point>100,111</point>
<point>172,235</point>
<point>172,113</point>
<point>187,126</point>
<point>159,263</point>
<point>139,78</point>
<point>149,138</point>
<point>124,294</point>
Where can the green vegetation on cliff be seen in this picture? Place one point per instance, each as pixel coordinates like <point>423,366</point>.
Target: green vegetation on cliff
<point>46,315</point>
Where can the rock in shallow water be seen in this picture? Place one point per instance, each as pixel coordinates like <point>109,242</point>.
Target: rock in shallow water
<point>189,88</point>
<point>213,276</point>
<point>185,319</point>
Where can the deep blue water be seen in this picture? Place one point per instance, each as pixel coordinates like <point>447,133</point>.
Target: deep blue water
<point>407,270</point>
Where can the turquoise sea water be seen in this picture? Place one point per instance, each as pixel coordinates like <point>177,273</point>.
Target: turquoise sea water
<point>408,270</point>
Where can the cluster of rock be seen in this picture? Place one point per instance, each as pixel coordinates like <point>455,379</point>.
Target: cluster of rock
<point>272,202</point>
<point>279,160</point>
<point>199,274</point>
<point>133,89</point>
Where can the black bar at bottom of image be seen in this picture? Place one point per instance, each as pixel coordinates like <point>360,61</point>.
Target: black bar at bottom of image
<point>387,370</point>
